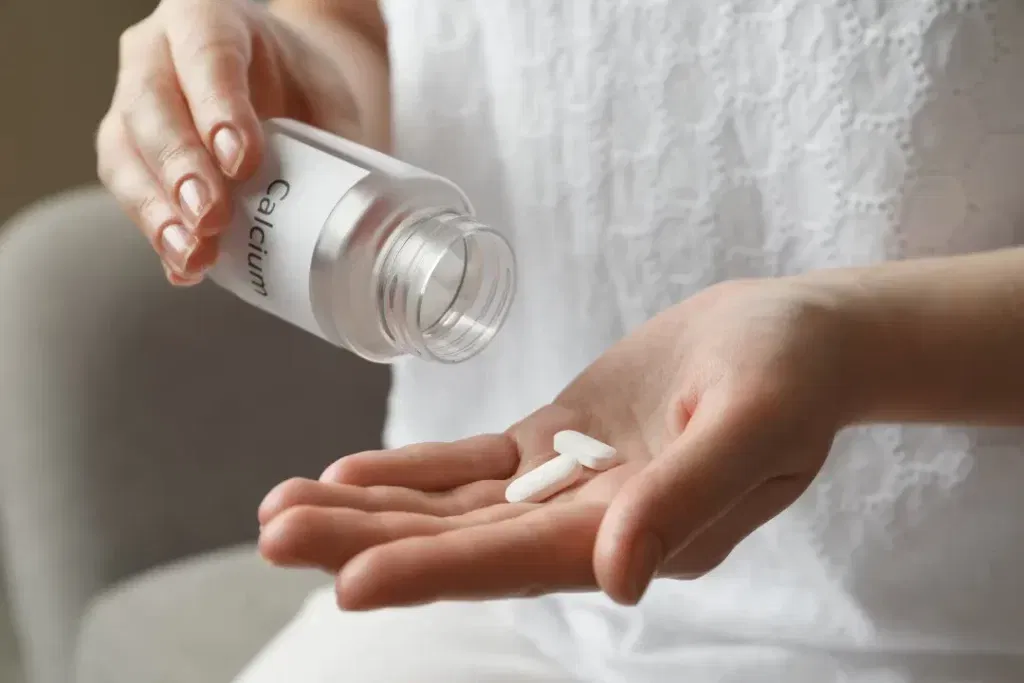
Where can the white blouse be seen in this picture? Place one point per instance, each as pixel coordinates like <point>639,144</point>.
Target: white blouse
<point>636,151</point>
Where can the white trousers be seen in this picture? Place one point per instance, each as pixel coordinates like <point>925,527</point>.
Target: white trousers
<point>460,642</point>
<point>448,642</point>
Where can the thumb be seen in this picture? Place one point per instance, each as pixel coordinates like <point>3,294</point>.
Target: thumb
<point>697,479</point>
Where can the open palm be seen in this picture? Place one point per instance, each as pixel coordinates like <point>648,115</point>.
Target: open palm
<point>723,408</point>
<point>430,521</point>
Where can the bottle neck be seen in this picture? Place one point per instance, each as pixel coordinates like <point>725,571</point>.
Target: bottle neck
<point>445,284</point>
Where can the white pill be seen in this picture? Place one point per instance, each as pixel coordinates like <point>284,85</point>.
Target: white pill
<point>541,483</point>
<point>590,452</point>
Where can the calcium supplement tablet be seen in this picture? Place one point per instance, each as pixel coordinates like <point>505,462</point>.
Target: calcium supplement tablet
<point>588,451</point>
<point>541,483</point>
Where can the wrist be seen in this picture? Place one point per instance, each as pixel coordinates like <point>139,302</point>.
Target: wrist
<point>855,318</point>
<point>931,340</point>
<point>875,340</point>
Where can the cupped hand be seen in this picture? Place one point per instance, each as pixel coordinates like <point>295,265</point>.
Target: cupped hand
<point>724,408</point>
<point>194,80</point>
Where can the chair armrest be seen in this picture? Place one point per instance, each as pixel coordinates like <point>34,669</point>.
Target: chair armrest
<point>139,423</point>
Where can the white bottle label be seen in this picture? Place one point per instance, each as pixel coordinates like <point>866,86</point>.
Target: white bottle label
<point>267,253</point>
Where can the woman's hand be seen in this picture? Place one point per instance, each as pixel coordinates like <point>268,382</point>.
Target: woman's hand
<point>195,79</point>
<point>724,407</point>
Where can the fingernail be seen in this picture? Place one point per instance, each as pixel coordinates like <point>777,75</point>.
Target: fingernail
<point>646,558</point>
<point>177,245</point>
<point>228,148</point>
<point>194,197</point>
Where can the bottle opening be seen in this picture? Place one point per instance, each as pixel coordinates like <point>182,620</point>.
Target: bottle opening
<point>449,283</point>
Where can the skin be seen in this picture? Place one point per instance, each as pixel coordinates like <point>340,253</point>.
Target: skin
<point>725,406</point>
<point>195,79</point>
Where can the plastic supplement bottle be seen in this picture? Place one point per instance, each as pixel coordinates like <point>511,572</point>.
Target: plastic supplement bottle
<point>364,251</point>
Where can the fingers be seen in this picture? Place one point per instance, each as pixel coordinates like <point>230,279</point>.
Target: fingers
<point>445,466</point>
<point>142,198</point>
<point>305,492</point>
<point>699,477</point>
<point>431,466</point>
<point>328,538</point>
<point>548,549</point>
<point>211,50</point>
<point>182,112</point>
<point>160,126</point>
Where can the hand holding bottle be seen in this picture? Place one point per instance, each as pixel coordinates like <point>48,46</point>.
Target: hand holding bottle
<point>197,76</point>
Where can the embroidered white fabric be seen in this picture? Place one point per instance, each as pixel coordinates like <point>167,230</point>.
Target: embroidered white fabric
<point>636,151</point>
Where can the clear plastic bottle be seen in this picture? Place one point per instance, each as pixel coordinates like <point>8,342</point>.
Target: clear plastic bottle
<point>365,251</point>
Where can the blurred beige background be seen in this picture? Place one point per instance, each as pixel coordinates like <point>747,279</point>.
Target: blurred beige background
<point>117,582</point>
<point>57,68</point>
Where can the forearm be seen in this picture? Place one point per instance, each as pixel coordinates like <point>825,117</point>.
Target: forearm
<point>353,34</point>
<point>937,340</point>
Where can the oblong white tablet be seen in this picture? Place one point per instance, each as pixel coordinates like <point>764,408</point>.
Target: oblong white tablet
<point>541,483</point>
<point>591,453</point>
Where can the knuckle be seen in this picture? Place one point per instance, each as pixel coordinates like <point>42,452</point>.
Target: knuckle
<point>121,178</point>
<point>105,135</point>
<point>175,152</point>
<point>209,35</point>
<point>109,132</point>
<point>149,206</point>
<point>217,97</point>
<point>127,41</point>
<point>156,83</point>
<point>133,39</point>
<point>149,90</point>
<point>219,48</point>
<point>151,214</point>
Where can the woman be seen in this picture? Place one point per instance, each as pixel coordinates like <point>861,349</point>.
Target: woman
<point>719,209</point>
